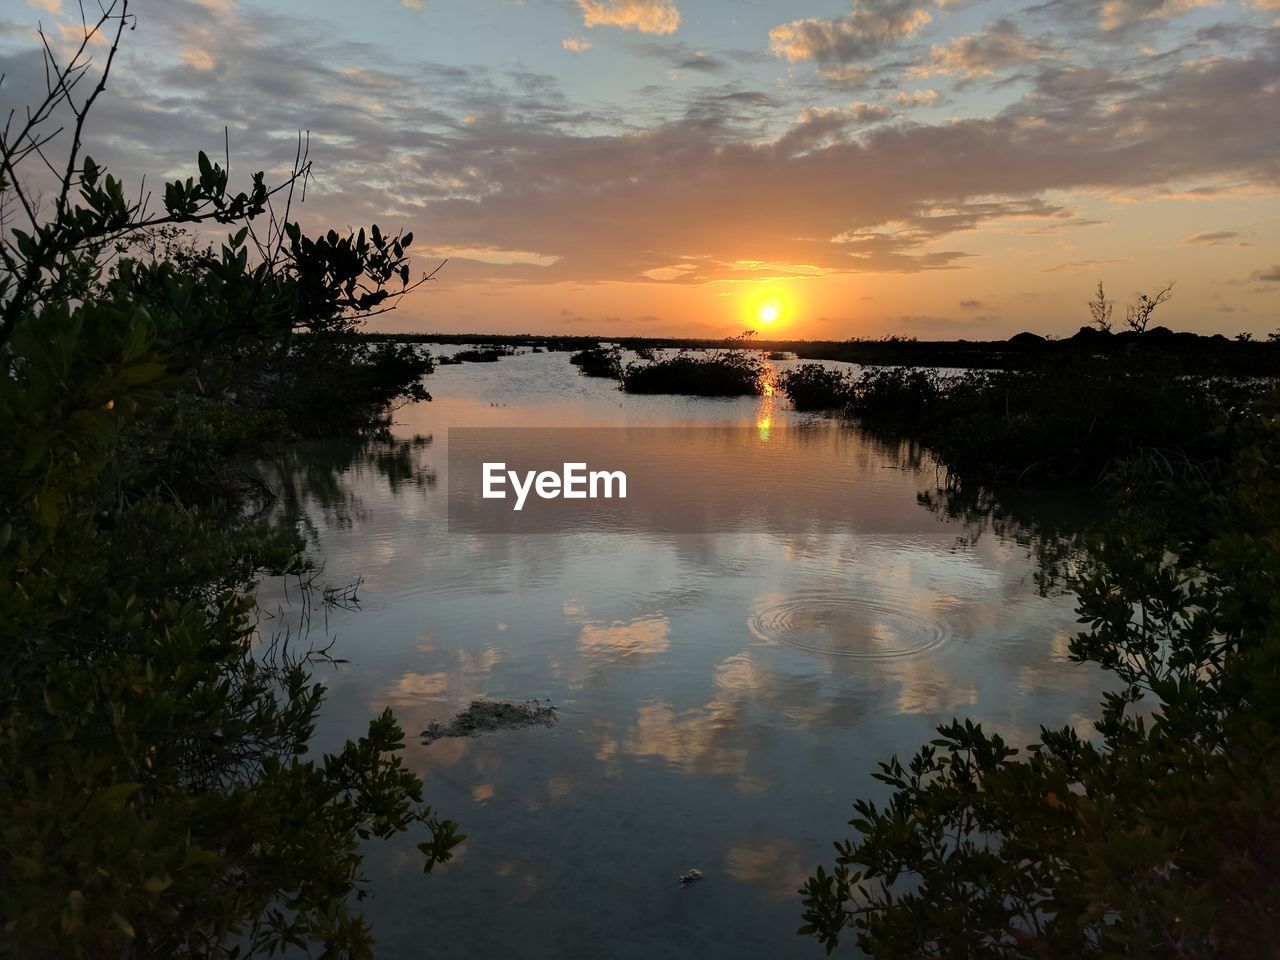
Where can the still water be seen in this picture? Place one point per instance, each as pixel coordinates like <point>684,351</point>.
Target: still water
<point>723,698</point>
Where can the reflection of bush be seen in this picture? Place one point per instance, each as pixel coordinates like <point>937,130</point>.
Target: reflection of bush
<point>1051,529</point>
<point>323,477</point>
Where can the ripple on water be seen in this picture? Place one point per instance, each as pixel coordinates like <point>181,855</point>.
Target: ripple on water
<point>862,628</point>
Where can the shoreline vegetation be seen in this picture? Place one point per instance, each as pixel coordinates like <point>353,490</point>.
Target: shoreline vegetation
<point>1149,833</point>
<point>1184,352</point>
<point>1073,426</point>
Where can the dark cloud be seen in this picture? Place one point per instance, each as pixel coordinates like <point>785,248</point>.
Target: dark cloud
<point>999,47</point>
<point>680,56</point>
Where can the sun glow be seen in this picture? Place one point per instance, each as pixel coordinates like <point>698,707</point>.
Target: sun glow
<point>769,309</point>
<point>767,306</point>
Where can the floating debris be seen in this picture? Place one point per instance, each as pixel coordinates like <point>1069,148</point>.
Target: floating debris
<point>486,716</point>
<point>693,876</point>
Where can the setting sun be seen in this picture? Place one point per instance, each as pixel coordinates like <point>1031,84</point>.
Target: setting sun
<point>771,305</point>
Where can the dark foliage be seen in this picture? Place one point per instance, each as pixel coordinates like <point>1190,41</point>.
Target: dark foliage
<point>159,798</point>
<point>812,386</point>
<point>340,385</point>
<point>490,354</point>
<point>599,362</point>
<point>1069,424</point>
<point>720,373</point>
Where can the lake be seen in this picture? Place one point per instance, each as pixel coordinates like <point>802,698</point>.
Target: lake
<point>722,697</point>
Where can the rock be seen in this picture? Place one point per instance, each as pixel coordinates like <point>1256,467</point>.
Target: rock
<point>1026,341</point>
<point>487,716</point>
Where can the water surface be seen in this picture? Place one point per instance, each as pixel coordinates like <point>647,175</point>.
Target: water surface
<point>723,697</point>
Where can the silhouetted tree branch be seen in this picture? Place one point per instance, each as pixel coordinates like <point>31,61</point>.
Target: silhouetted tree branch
<point>1138,314</point>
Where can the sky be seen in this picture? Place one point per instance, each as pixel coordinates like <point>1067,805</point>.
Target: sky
<point>814,168</point>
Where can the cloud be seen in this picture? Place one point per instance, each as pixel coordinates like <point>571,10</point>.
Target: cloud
<point>917,98</point>
<point>678,56</point>
<point>846,75</point>
<point>699,61</point>
<point>1267,274</point>
<point>1078,265</point>
<point>576,44</point>
<point>816,126</point>
<point>646,16</point>
<point>869,112</point>
<point>971,304</point>
<point>1209,239</point>
<point>997,48</point>
<point>675,271</point>
<point>197,59</point>
<point>502,171</point>
<point>493,255</point>
<point>1115,14</point>
<point>870,28</point>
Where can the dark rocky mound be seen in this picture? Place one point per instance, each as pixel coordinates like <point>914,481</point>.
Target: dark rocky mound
<point>487,716</point>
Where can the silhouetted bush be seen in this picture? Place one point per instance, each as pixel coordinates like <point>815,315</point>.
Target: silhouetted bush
<point>724,373</point>
<point>813,386</point>
<point>340,386</point>
<point>482,355</point>
<point>599,362</point>
<point>1062,423</point>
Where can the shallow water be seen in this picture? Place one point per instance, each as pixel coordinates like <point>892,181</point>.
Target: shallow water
<point>723,698</point>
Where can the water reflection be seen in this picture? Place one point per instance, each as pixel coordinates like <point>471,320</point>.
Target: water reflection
<point>623,641</point>
<point>1051,527</point>
<point>723,697</point>
<point>773,866</point>
<point>848,625</point>
<point>323,481</point>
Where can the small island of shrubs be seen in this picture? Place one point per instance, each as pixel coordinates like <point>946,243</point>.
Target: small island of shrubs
<point>599,362</point>
<point>723,373</point>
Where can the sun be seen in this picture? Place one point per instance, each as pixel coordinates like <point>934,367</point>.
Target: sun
<point>770,307</point>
